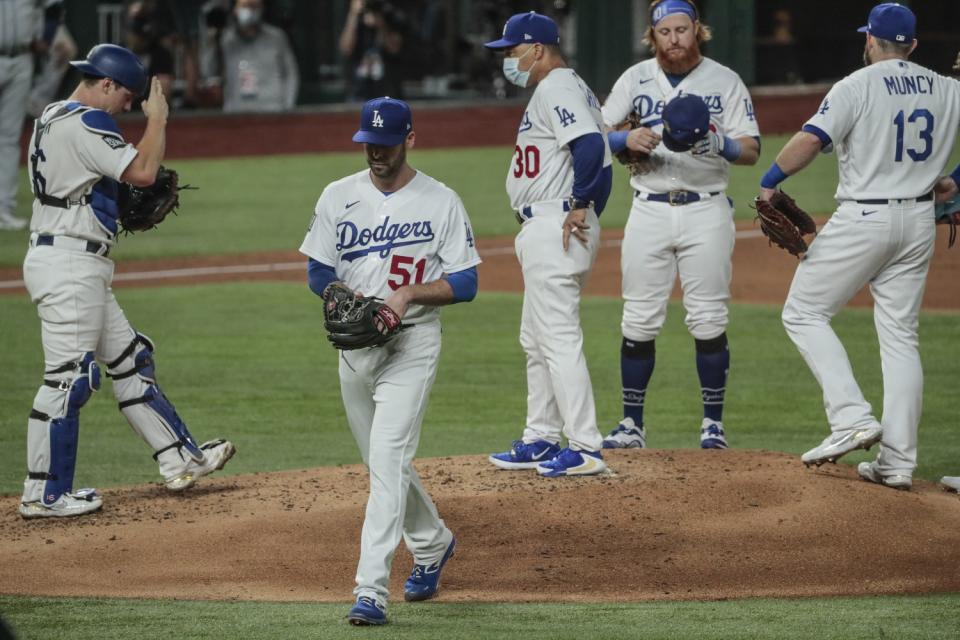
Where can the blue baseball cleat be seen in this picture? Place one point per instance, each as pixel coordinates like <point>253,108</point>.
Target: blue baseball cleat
<point>524,455</point>
<point>712,435</point>
<point>572,462</point>
<point>367,611</point>
<point>424,580</point>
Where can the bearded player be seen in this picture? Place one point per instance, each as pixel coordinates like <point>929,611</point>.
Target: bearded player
<point>681,220</point>
<point>398,234</point>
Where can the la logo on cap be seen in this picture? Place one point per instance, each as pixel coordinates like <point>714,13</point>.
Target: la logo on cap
<point>377,119</point>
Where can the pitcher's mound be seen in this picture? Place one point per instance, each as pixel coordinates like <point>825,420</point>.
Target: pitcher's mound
<point>679,524</point>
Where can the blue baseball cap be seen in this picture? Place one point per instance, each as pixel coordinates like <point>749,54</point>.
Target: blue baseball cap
<point>686,119</point>
<point>891,21</point>
<point>384,121</point>
<point>527,28</point>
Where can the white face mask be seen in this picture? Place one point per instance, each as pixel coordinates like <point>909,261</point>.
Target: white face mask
<point>247,17</point>
<point>511,70</point>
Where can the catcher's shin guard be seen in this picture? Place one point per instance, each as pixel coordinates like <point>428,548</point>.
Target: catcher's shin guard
<point>148,410</point>
<point>53,429</point>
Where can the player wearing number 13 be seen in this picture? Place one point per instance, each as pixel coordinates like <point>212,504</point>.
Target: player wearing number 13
<point>893,125</point>
<point>558,184</point>
<point>397,234</point>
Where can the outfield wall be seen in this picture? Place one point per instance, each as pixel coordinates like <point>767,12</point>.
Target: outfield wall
<point>213,134</point>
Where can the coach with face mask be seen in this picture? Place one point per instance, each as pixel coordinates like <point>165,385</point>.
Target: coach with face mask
<point>257,64</point>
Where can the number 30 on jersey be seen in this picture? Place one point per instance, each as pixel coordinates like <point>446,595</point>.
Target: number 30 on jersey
<point>526,161</point>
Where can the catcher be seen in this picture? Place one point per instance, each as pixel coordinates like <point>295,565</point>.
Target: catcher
<point>78,157</point>
<point>393,232</point>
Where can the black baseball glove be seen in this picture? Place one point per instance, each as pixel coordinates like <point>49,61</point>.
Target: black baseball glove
<point>357,322</point>
<point>784,223</point>
<point>143,208</point>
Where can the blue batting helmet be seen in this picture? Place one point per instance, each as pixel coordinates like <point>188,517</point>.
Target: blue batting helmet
<point>114,62</point>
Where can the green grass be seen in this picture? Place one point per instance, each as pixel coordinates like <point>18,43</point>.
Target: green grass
<point>265,203</point>
<point>873,618</point>
<point>249,361</point>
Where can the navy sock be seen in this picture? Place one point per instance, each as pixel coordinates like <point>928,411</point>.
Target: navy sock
<point>713,363</point>
<point>636,367</point>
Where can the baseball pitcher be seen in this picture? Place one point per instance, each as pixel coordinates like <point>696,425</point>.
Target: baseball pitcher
<point>695,118</point>
<point>893,125</point>
<point>558,183</point>
<point>394,233</point>
<point>77,157</point>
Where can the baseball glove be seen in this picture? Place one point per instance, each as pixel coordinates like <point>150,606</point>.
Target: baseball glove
<point>784,223</point>
<point>949,213</point>
<point>143,208</point>
<point>635,161</point>
<point>357,322</point>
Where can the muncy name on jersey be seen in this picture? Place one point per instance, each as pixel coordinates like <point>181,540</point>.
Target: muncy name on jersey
<point>380,239</point>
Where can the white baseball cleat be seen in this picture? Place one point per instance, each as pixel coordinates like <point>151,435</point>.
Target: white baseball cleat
<point>626,435</point>
<point>68,505</point>
<point>216,453</point>
<point>871,473</point>
<point>10,222</point>
<point>950,483</point>
<point>840,443</point>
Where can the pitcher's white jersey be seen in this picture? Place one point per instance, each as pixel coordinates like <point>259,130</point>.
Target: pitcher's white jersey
<point>378,243</point>
<point>78,147</point>
<point>893,125</point>
<point>562,108</point>
<point>645,89</point>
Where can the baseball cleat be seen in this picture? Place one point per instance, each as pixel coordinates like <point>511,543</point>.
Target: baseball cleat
<point>78,503</point>
<point>573,462</point>
<point>712,435</point>
<point>524,455</point>
<point>424,580</point>
<point>216,453</point>
<point>840,443</point>
<point>950,483</point>
<point>627,435</point>
<point>367,611</point>
<point>871,473</point>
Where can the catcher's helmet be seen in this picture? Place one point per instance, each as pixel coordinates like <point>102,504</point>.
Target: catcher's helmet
<point>116,63</point>
<point>686,119</point>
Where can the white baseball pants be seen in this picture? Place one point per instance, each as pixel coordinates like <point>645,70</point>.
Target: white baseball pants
<point>385,393</point>
<point>889,246</point>
<point>559,393</point>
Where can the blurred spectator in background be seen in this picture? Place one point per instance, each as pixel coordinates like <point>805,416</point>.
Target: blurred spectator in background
<point>21,24</point>
<point>144,30</point>
<point>777,57</point>
<point>372,44</point>
<point>254,61</point>
<point>55,51</point>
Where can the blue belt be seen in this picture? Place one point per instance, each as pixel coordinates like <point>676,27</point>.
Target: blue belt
<point>527,212</point>
<point>923,198</point>
<point>92,247</point>
<point>674,198</point>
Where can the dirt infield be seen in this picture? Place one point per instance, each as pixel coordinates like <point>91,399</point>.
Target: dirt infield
<point>666,525</point>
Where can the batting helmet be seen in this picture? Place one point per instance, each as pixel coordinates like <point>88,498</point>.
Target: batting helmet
<point>686,119</point>
<point>116,63</point>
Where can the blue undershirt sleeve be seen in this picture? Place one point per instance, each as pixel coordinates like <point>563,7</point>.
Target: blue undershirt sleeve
<point>319,275</point>
<point>591,180</point>
<point>464,284</point>
<point>825,140</point>
<point>617,140</point>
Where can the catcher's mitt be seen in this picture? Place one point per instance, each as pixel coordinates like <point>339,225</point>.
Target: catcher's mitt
<point>784,223</point>
<point>143,208</point>
<point>357,322</point>
<point>635,161</point>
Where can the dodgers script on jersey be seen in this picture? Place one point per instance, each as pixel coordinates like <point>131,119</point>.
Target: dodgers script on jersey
<point>562,108</point>
<point>78,147</point>
<point>907,119</point>
<point>645,89</point>
<point>379,243</point>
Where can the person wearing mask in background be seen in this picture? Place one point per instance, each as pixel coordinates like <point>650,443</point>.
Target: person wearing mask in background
<point>259,71</point>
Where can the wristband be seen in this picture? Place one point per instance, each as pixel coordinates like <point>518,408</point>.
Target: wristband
<point>773,177</point>
<point>731,149</point>
<point>617,140</point>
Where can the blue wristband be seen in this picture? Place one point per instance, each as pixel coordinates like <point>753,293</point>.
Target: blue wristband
<point>617,140</point>
<point>956,175</point>
<point>731,149</point>
<point>773,177</point>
